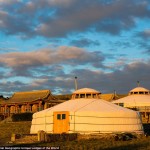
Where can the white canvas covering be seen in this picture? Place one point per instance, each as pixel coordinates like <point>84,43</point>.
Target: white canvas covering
<point>89,116</point>
<point>134,101</point>
<point>138,97</point>
<point>86,90</point>
<point>141,89</point>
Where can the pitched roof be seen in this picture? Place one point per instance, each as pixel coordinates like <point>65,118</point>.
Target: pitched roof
<point>4,102</point>
<point>29,96</point>
<point>1,100</point>
<point>112,96</point>
<point>107,97</point>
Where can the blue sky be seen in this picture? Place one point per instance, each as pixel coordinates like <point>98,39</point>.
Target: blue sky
<point>44,44</point>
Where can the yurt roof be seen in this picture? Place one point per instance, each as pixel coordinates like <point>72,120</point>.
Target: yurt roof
<point>139,89</point>
<point>85,90</point>
<point>85,105</point>
<point>134,99</point>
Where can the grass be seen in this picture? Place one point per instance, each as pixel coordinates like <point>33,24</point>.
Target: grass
<point>96,144</point>
<point>6,129</point>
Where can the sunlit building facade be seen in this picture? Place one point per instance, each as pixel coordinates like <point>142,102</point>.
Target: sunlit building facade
<point>28,101</point>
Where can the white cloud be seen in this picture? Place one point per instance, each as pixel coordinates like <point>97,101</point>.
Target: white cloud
<point>63,54</point>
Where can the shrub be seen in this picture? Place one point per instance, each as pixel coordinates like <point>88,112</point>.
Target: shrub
<point>22,117</point>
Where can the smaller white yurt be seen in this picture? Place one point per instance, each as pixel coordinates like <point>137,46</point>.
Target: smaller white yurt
<point>86,113</point>
<point>138,99</point>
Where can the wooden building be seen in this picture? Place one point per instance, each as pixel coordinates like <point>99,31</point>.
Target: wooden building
<point>112,96</point>
<point>30,101</point>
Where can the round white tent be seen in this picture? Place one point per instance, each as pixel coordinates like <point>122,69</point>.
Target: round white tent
<point>86,113</point>
<point>137,99</point>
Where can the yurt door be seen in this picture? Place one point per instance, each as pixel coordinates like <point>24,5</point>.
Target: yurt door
<point>61,122</point>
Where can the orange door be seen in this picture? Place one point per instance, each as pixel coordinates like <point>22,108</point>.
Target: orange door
<point>61,122</point>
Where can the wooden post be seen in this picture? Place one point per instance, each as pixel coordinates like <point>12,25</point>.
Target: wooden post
<point>45,105</point>
<point>13,137</point>
<point>40,104</point>
<point>8,111</point>
<point>16,108</point>
<point>41,136</point>
<point>5,111</point>
<point>27,107</point>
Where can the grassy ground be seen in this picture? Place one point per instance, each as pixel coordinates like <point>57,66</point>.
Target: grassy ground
<point>6,129</point>
<point>95,144</point>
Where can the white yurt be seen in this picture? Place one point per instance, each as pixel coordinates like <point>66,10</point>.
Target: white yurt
<point>138,99</point>
<point>86,113</point>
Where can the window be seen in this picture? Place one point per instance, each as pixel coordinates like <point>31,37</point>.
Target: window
<point>94,95</point>
<point>77,96</point>
<point>141,92</point>
<point>88,95</point>
<point>58,116</point>
<point>82,96</point>
<point>63,116</point>
<point>121,104</point>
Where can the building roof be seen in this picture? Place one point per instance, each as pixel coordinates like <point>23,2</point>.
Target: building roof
<point>135,100</point>
<point>29,96</point>
<point>111,96</point>
<point>1,100</point>
<point>137,97</point>
<point>85,90</point>
<point>85,105</point>
<point>108,97</point>
<point>139,89</point>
